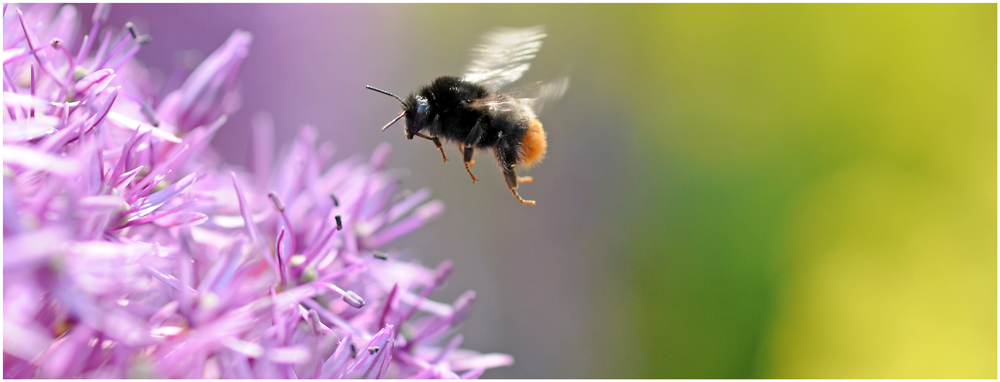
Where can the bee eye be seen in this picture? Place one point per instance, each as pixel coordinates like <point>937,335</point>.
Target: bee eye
<point>421,106</point>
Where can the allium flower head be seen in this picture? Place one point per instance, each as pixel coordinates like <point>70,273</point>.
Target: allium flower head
<point>132,251</point>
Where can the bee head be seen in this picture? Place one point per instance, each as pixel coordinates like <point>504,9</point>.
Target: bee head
<point>415,108</point>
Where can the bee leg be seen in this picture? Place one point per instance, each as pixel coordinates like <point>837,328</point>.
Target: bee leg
<point>467,159</point>
<point>508,161</point>
<point>475,134</point>
<point>525,179</point>
<point>469,145</point>
<point>512,179</point>
<point>437,143</point>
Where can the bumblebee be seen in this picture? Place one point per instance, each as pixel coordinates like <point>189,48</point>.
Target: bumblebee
<point>473,113</point>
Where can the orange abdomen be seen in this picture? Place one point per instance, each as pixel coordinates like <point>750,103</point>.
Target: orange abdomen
<point>533,145</point>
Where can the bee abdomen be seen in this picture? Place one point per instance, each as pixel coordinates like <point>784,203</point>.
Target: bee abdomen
<point>533,145</point>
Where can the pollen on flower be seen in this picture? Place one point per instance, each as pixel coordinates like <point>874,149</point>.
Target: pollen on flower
<point>276,201</point>
<point>296,260</point>
<point>353,300</point>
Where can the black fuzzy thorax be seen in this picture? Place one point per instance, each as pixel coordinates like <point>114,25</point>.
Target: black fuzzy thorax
<point>456,105</point>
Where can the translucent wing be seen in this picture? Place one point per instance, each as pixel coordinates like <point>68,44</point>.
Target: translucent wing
<point>530,98</point>
<point>503,104</point>
<point>536,96</point>
<point>503,56</point>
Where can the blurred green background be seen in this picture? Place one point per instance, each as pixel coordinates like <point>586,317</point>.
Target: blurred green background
<point>823,178</point>
<point>732,191</point>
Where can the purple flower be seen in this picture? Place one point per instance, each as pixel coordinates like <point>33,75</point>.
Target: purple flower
<point>209,91</point>
<point>132,251</point>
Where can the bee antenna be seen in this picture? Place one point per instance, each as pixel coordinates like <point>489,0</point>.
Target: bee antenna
<point>393,121</point>
<point>388,94</point>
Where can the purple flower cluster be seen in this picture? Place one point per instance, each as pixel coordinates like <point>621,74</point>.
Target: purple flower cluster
<point>130,250</point>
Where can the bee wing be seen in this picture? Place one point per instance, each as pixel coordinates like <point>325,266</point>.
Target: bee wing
<point>529,98</point>
<point>536,96</point>
<point>503,56</point>
<point>500,104</point>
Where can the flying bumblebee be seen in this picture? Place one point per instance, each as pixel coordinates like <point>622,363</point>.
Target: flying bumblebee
<point>473,113</point>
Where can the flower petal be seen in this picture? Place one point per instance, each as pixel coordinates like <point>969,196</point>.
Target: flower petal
<point>373,358</point>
